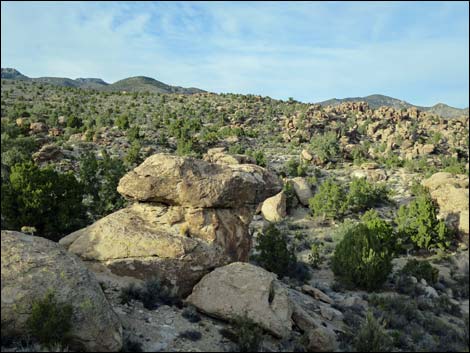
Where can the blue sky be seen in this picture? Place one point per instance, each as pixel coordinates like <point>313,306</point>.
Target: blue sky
<point>418,52</point>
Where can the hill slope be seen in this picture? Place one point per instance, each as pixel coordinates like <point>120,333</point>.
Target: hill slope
<point>131,84</point>
<point>143,83</point>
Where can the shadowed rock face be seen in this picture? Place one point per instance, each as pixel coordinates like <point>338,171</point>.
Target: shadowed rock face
<point>191,216</point>
<point>193,182</point>
<point>31,266</point>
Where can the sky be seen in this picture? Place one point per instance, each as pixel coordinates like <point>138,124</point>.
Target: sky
<point>310,51</point>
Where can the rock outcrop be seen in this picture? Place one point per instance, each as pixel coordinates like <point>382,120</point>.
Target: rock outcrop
<point>452,196</point>
<point>241,289</point>
<point>193,182</point>
<point>32,266</point>
<point>192,216</point>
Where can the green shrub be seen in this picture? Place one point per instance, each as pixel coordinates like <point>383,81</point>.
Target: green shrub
<point>361,258</point>
<point>50,321</point>
<point>290,194</point>
<point>382,229</point>
<point>314,258</point>
<point>274,254</point>
<point>325,147</point>
<point>363,195</point>
<point>151,294</point>
<point>122,122</point>
<point>248,333</point>
<point>372,336</point>
<point>259,157</point>
<point>417,223</point>
<point>293,168</point>
<point>421,269</point>
<point>191,335</point>
<point>44,199</point>
<point>329,201</point>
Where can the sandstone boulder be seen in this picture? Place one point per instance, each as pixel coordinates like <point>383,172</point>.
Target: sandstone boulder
<point>302,190</point>
<point>37,127</point>
<point>444,178</point>
<point>306,155</point>
<point>176,244</point>
<point>451,194</point>
<point>242,289</point>
<point>220,156</point>
<point>31,266</point>
<point>274,208</point>
<point>192,182</point>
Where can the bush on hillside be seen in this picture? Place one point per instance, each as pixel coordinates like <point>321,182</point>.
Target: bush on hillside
<point>417,223</point>
<point>329,201</point>
<point>361,258</point>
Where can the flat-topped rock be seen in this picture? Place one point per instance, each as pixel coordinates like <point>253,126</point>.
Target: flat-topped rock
<point>175,180</point>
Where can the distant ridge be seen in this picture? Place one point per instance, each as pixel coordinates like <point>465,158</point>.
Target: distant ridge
<point>148,84</point>
<point>131,84</point>
<point>377,100</point>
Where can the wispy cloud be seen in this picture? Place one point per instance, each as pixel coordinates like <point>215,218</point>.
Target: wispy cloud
<point>309,51</point>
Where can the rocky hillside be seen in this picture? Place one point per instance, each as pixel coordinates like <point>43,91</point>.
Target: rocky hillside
<point>143,221</point>
<point>131,84</point>
<point>376,101</point>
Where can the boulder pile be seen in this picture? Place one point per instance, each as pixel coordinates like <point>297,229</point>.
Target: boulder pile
<point>189,217</point>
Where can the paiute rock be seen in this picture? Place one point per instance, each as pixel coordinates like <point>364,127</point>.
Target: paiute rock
<point>193,182</point>
<point>175,243</point>
<point>31,266</point>
<point>242,289</point>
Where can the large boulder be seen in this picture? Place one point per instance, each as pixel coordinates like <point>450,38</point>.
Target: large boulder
<point>302,190</point>
<point>451,194</point>
<point>274,208</point>
<point>241,289</point>
<point>32,266</point>
<point>193,182</point>
<point>175,243</point>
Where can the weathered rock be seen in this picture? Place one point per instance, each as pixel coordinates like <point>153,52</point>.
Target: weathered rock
<point>302,190</point>
<point>306,155</point>
<point>317,294</point>
<point>177,244</point>
<point>47,153</point>
<point>274,208</point>
<point>372,175</point>
<point>321,339</point>
<point>38,127</point>
<point>31,266</point>
<point>220,156</point>
<point>242,289</point>
<point>444,178</point>
<point>192,182</point>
